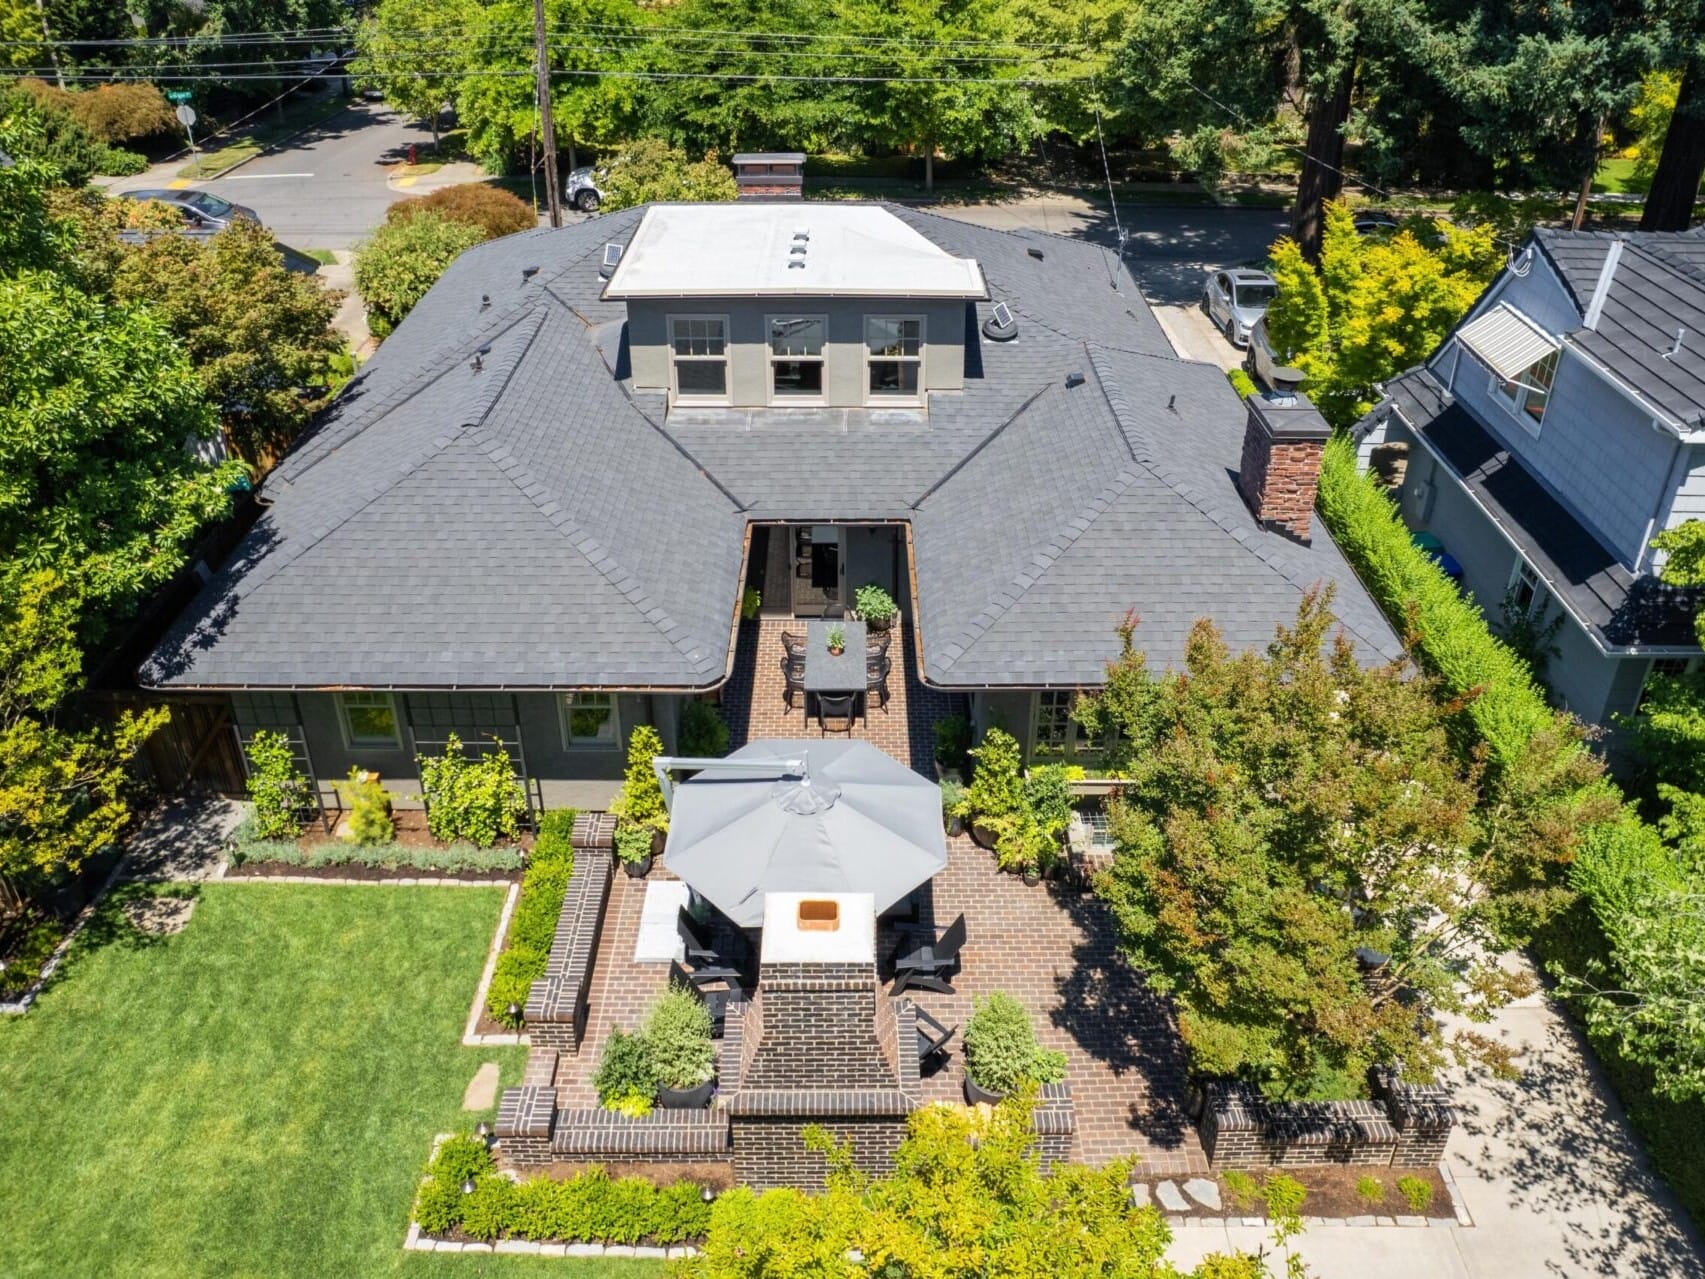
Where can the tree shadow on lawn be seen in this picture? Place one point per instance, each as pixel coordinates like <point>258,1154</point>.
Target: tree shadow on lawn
<point>1562,1149</point>
<point>114,923</point>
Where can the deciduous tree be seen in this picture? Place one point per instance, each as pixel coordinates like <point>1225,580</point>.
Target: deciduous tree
<point>403,260</point>
<point>414,52</point>
<point>650,169</point>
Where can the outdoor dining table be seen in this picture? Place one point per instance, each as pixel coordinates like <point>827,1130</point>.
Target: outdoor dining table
<point>824,671</point>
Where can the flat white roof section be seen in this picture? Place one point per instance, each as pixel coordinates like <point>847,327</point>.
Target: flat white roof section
<point>749,250</point>
<point>849,937</point>
<point>1507,341</point>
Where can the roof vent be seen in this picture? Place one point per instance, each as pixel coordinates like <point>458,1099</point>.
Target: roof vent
<point>612,256</point>
<point>801,236</point>
<point>797,250</point>
<point>1035,252</point>
<point>1075,378</point>
<point>485,301</point>
<point>528,272</point>
<point>796,264</point>
<point>1002,326</point>
<point>479,358</point>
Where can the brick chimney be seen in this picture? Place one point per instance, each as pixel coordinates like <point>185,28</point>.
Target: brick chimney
<point>770,175</point>
<point>1283,442</point>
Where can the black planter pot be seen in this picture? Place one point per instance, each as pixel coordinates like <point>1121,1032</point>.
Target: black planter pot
<point>981,1096</point>
<point>639,869</point>
<point>1031,879</point>
<point>686,1098</point>
<point>983,835</point>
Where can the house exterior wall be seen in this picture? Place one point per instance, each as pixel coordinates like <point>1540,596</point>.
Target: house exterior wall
<point>844,354</point>
<point>872,558</point>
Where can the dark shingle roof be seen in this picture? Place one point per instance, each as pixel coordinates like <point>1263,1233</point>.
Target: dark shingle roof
<point>1658,288</point>
<point>1619,608</point>
<point>533,523</point>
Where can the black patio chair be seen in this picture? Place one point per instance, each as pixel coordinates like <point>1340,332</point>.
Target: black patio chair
<point>709,963</point>
<point>794,643</point>
<point>927,963</point>
<point>793,677</point>
<point>835,611</point>
<point>876,668</point>
<point>715,1001</point>
<point>876,643</point>
<point>833,706</point>
<point>932,1035</point>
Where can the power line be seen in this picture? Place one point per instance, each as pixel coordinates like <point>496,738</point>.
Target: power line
<point>194,77</point>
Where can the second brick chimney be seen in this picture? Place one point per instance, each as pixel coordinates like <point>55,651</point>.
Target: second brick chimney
<point>1283,442</point>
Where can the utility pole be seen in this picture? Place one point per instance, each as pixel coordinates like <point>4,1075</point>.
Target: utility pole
<point>547,130</point>
<point>52,48</point>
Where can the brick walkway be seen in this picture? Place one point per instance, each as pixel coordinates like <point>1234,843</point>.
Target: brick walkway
<point>753,705</point>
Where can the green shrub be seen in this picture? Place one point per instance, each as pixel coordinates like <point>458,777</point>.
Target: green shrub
<point>1001,1052</point>
<point>403,260</point>
<point>1370,1189</point>
<point>625,1069</point>
<point>278,791</point>
<point>369,807</point>
<point>953,742</point>
<point>479,800</point>
<point>486,1212</point>
<point>751,600</point>
<point>633,844</point>
<point>649,169</point>
<point>533,925</point>
<point>677,1035</point>
<point>116,162</point>
<point>952,797</point>
<point>1417,1192</point>
<point>1242,383</point>
<point>439,1204</point>
<point>455,859</point>
<point>875,606</point>
<point>996,789</point>
<point>491,209</point>
<point>1241,1188</point>
<point>704,733</point>
<point>640,802</point>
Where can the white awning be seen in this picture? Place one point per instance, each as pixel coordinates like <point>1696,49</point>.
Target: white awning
<point>1507,340</point>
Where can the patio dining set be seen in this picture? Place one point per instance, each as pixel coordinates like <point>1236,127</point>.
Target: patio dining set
<point>836,685</point>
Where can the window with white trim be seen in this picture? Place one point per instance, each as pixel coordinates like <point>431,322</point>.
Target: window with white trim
<point>589,720</point>
<point>1527,591</point>
<point>796,356</point>
<point>369,720</point>
<point>699,352</point>
<point>894,356</point>
<point>1528,394</point>
<point>1054,733</point>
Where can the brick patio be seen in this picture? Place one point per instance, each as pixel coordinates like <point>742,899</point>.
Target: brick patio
<point>753,705</point>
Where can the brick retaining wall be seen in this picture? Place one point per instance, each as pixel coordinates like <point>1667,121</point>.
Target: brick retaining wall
<point>1407,1126</point>
<point>556,1004</point>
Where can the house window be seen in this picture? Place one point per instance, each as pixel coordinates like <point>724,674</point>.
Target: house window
<point>700,344</point>
<point>1054,733</point>
<point>1527,592</point>
<point>369,719</point>
<point>589,720</point>
<point>796,356</point>
<point>1531,392</point>
<point>895,356</point>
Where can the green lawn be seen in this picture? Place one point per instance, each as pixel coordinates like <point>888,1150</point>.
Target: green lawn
<point>254,1096</point>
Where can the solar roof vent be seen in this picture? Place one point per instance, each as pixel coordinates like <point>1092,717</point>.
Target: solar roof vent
<point>612,256</point>
<point>1035,252</point>
<point>528,272</point>
<point>1002,326</point>
<point>1075,378</point>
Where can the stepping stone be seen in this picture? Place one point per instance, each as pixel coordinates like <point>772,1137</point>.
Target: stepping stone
<point>1171,1198</point>
<point>1204,1192</point>
<point>1140,1194</point>
<point>482,1088</point>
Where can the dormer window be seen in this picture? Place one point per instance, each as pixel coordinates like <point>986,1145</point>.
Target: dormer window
<point>895,356</point>
<point>796,356</point>
<point>700,357</point>
<point>1530,392</point>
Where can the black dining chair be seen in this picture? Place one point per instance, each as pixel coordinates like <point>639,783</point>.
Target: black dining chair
<point>876,643</point>
<point>835,611</point>
<point>837,707</point>
<point>876,680</point>
<point>794,643</point>
<point>793,677</point>
<point>715,1001</point>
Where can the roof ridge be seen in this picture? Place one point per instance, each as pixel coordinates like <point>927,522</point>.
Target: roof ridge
<point>990,438</point>
<point>1660,257</point>
<point>597,555</point>
<point>1270,554</point>
<point>1012,591</point>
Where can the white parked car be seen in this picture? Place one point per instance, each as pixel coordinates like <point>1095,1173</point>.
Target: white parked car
<point>1235,298</point>
<point>581,191</point>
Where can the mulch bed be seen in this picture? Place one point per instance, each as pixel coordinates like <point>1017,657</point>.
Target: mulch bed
<point>358,870</point>
<point>411,831</point>
<point>1331,1193</point>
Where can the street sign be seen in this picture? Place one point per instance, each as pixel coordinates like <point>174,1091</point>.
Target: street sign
<point>177,95</point>
<point>186,116</point>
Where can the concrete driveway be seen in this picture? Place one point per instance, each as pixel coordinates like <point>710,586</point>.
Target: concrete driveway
<point>1548,1169</point>
<point>1169,249</point>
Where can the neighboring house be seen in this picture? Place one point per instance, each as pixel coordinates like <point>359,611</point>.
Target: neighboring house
<point>532,514</point>
<point>1552,435</point>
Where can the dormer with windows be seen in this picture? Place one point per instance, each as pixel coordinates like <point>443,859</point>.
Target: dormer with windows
<point>747,306</point>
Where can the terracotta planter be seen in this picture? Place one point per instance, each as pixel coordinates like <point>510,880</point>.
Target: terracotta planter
<point>639,869</point>
<point>836,652</point>
<point>686,1098</point>
<point>981,1096</point>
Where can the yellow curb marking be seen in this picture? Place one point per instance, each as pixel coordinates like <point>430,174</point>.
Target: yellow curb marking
<point>405,183</point>
<point>177,184</point>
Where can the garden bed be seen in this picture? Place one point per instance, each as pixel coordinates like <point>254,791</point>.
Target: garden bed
<point>1331,1192</point>
<point>412,854</point>
<point>367,872</point>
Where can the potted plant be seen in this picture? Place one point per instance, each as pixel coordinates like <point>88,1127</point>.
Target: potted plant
<point>640,800</point>
<point>875,607</point>
<point>634,849</point>
<point>995,793</point>
<point>751,600</point>
<point>1029,840</point>
<point>1001,1052</point>
<point>369,804</point>
<point>677,1036</point>
<point>837,638</point>
<point>952,796</point>
<point>952,746</point>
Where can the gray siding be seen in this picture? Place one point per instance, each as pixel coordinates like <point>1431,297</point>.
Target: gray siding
<point>844,356</point>
<point>872,557</point>
<point>1689,500</point>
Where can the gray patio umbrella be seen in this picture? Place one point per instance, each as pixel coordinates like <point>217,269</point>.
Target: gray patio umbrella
<point>851,820</point>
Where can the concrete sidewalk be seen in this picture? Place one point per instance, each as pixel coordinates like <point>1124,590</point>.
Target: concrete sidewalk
<point>1548,1169</point>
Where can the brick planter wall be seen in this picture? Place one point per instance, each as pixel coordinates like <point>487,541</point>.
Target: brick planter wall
<point>770,1151</point>
<point>556,1004</point>
<point>1054,1121</point>
<point>1406,1127</point>
<point>525,1117</point>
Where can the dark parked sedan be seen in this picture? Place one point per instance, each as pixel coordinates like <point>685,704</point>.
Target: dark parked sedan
<point>201,210</point>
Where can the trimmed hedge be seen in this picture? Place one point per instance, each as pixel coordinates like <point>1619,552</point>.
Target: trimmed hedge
<point>338,852</point>
<point>591,1207</point>
<point>524,959</point>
